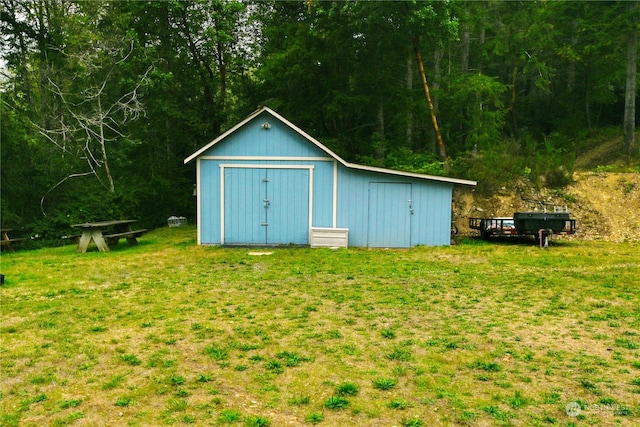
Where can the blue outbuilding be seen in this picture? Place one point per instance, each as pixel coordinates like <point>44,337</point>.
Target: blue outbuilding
<point>267,182</point>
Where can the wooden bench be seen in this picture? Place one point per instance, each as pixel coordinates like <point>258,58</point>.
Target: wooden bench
<point>7,241</point>
<point>73,238</point>
<point>131,236</point>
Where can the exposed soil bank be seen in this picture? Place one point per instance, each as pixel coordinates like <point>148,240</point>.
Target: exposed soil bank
<point>605,205</point>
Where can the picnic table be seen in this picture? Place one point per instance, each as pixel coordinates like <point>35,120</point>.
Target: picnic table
<point>6,240</point>
<point>107,233</point>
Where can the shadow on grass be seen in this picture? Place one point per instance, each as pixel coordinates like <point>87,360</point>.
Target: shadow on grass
<point>510,241</point>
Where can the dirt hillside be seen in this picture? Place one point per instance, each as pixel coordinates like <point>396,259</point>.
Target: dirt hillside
<point>605,205</point>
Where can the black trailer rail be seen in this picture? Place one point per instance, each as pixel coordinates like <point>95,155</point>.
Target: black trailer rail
<point>493,226</point>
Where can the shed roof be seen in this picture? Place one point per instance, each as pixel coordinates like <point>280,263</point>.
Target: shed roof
<point>326,150</point>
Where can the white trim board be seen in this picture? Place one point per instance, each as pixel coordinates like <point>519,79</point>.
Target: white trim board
<point>326,150</point>
<point>272,158</point>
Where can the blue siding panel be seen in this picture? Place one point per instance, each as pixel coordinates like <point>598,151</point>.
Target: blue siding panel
<point>390,215</point>
<point>288,212</point>
<point>209,193</point>
<point>353,199</point>
<point>244,209</point>
<point>254,141</point>
<point>432,214</point>
<point>322,193</point>
<point>266,205</point>
<point>431,202</point>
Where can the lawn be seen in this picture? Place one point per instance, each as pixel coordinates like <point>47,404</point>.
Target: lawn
<point>171,333</point>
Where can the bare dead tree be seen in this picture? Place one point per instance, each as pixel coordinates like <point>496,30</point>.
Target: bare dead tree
<point>89,120</point>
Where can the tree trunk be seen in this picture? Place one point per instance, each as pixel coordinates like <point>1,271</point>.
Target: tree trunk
<point>204,70</point>
<point>43,66</point>
<point>466,41</point>
<point>630,91</point>
<point>409,130</point>
<point>483,34</point>
<point>434,121</point>
<point>222,65</point>
<point>571,77</point>
<point>512,104</point>
<point>437,76</point>
<point>380,143</point>
<point>103,148</point>
<point>587,109</point>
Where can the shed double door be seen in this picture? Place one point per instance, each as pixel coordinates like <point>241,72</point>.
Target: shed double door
<point>266,206</point>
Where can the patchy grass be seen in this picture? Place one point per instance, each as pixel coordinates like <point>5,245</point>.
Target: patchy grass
<point>173,333</point>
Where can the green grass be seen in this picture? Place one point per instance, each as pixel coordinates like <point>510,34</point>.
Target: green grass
<point>169,332</point>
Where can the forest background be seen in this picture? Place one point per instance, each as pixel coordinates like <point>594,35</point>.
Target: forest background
<point>103,100</point>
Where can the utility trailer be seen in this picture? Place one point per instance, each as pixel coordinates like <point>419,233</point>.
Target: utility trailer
<point>539,224</point>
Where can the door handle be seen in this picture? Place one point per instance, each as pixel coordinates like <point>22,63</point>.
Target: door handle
<point>267,203</point>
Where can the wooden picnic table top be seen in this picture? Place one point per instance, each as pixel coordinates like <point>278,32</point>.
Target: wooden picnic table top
<point>104,224</point>
<point>97,232</point>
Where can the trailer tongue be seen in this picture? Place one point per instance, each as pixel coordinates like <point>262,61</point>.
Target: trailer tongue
<point>541,225</point>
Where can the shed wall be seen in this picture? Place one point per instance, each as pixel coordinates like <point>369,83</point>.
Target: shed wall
<point>254,140</point>
<point>211,197</point>
<point>338,196</point>
<point>431,204</point>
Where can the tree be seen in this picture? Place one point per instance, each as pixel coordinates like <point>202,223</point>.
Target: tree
<point>519,77</point>
<point>342,69</point>
<point>91,117</point>
<point>432,112</point>
<point>31,44</point>
<point>95,98</point>
<point>630,92</point>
